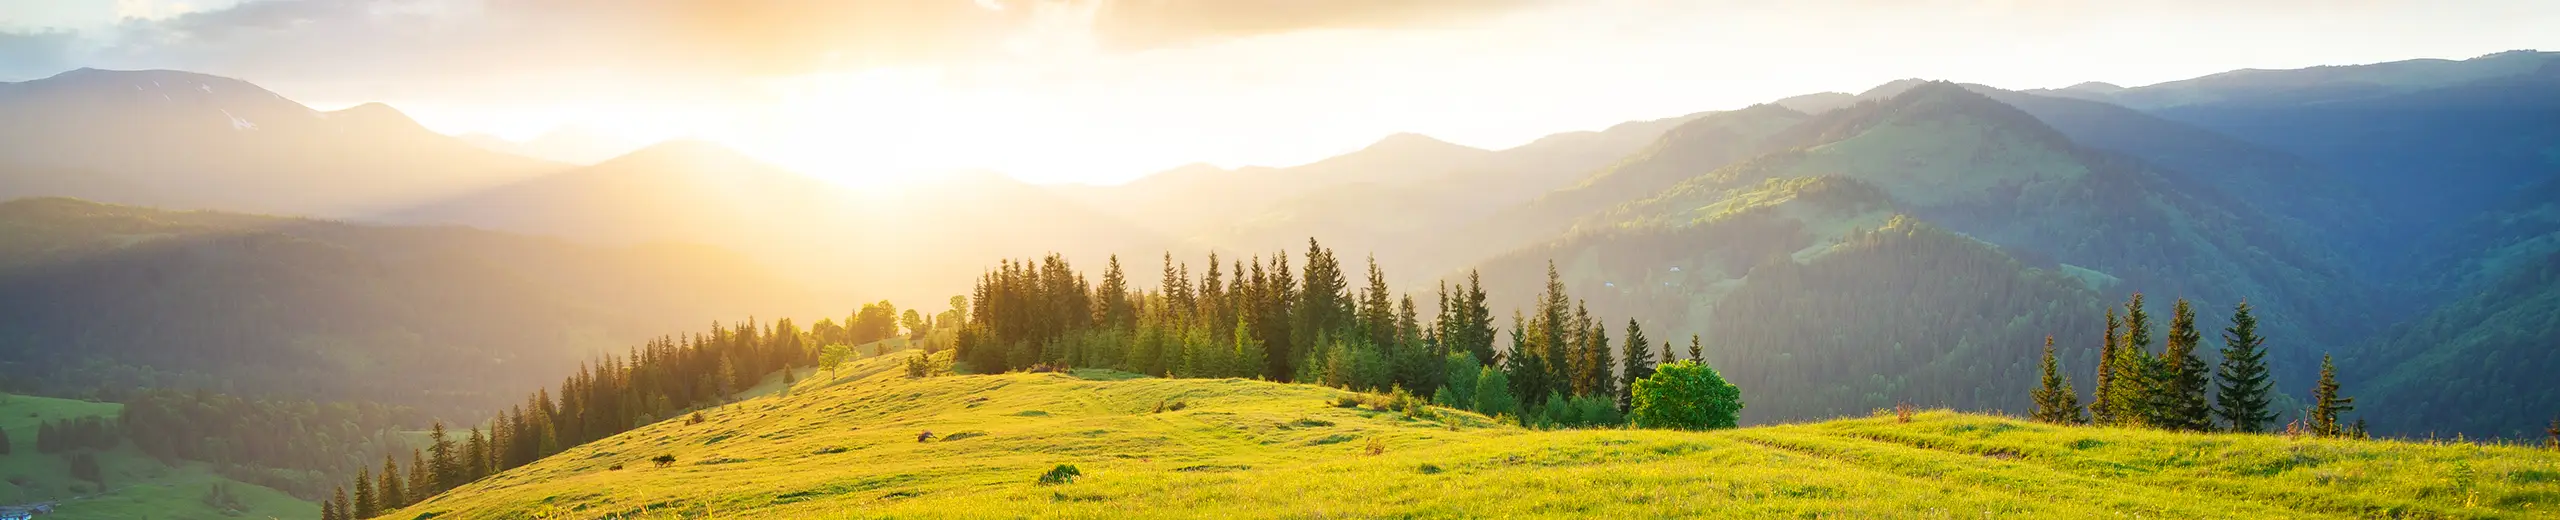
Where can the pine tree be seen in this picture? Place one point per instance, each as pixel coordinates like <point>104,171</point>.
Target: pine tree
<point>1600,366</point>
<point>475,462</point>
<point>339,503</point>
<point>2326,404</point>
<point>366,506</point>
<point>2179,402</point>
<point>2241,400</point>
<point>2102,404</point>
<point>2136,370</point>
<point>388,492</point>
<point>1639,363</point>
<point>1666,355</point>
<point>422,478</point>
<point>445,467</point>
<point>2056,401</point>
<point>1697,350</point>
<point>329,510</point>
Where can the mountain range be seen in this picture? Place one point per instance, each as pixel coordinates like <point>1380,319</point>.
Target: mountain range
<point>1836,252</point>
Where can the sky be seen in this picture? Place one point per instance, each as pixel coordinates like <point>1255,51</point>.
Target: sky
<point>1103,91</point>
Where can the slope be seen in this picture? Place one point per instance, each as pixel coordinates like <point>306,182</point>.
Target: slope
<point>2011,231</point>
<point>191,140</point>
<point>135,484</point>
<point>2315,84</point>
<point>101,299</point>
<point>831,238</point>
<point>2497,278</point>
<point>1249,449</point>
<point>2434,157</point>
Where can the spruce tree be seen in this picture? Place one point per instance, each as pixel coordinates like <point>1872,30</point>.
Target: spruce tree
<point>422,478</point>
<point>1600,368</point>
<point>443,458</point>
<point>329,510</point>
<point>2056,401</point>
<point>1639,363</point>
<point>1697,350</point>
<point>2326,404</point>
<point>475,462</point>
<point>339,502</point>
<point>388,492</point>
<point>2180,403</point>
<point>2241,399</point>
<point>2136,370</point>
<point>2102,404</point>
<point>366,506</point>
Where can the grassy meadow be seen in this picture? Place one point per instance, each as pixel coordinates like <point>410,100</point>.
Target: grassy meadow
<point>847,446</point>
<point>138,487</point>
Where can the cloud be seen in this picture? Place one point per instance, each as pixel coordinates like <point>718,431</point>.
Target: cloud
<point>673,40</point>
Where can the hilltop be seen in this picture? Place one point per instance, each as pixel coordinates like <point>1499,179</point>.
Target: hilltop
<point>847,447</point>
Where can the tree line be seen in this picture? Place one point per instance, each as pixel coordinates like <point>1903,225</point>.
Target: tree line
<point>660,379</point>
<point>2174,389</point>
<point>1260,318</point>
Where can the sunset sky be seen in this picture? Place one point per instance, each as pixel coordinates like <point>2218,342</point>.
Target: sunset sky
<point>1104,91</point>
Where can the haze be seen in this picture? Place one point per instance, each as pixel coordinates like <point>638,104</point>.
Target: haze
<point>1104,92</point>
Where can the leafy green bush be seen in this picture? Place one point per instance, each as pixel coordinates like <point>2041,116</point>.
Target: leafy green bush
<point>1686,395</point>
<point>1063,474</point>
<point>1493,394</point>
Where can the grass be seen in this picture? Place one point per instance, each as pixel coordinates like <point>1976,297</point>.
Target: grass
<point>137,485</point>
<point>1260,450</point>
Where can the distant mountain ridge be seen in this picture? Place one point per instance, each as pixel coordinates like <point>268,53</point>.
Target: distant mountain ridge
<point>199,141</point>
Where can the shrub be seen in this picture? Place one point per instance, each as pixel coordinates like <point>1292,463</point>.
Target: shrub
<point>1063,474</point>
<point>1686,395</point>
<point>664,460</point>
<point>1376,446</point>
<point>1493,393</point>
<point>695,419</point>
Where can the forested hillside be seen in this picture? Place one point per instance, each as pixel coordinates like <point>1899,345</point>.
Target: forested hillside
<point>105,301</point>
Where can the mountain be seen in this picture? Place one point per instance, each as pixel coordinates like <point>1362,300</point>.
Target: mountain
<point>2315,85</point>
<point>1188,448</point>
<point>2433,157</point>
<point>1919,246</point>
<point>104,299</point>
<point>2493,285</point>
<point>189,140</point>
<point>568,145</point>
<point>1392,198</point>
<point>915,243</point>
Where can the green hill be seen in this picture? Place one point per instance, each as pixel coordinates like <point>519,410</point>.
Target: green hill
<point>1144,447</point>
<point>135,485</point>
<point>100,300</point>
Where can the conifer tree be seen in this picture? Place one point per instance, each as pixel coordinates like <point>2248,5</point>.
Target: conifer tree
<point>445,465</point>
<point>2136,370</point>
<point>388,492</point>
<point>2241,400</point>
<point>1666,355</point>
<point>475,462</point>
<point>2326,404</point>
<point>422,479</point>
<point>339,503</point>
<point>329,509</point>
<point>2179,402</point>
<point>1697,350</point>
<point>1600,368</point>
<point>1639,363</point>
<point>366,506</point>
<point>2102,404</point>
<point>2552,440</point>
<point>2056,401</point>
